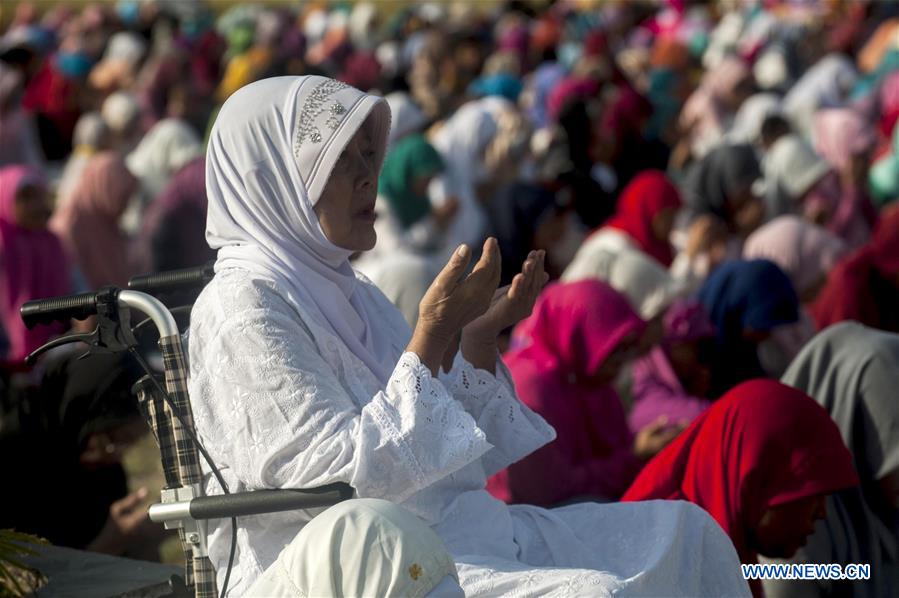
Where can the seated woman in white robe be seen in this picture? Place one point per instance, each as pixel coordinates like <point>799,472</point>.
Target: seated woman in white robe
<point>303,374</point>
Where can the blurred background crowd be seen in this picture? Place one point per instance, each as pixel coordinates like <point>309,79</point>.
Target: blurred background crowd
<point>711,181</point>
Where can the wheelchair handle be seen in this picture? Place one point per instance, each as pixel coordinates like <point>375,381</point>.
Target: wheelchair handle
<point>84,305</point>
<point>59,309</point>
<point>174,280</point>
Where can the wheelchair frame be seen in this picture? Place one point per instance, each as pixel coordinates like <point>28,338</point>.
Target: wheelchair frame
<point>167,410</point>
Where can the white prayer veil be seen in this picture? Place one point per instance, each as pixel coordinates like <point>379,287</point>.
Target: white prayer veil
<point>271,152</point>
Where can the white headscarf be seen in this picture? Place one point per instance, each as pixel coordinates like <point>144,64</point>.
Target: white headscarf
<point>825,85</point>
<point>270,155</point>
<point>120,110</point>
<point>747,125</point>
<point>407,116</point>
<point>791,168</point>
<point>168,146</point>
<point>127,47</point>
<point>462,142</point>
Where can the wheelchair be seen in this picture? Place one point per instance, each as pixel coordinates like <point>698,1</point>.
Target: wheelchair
<point>164,299</point>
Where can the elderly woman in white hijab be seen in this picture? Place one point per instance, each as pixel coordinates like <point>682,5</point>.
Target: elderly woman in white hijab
<point>853,372</point>
<point>303,374</point>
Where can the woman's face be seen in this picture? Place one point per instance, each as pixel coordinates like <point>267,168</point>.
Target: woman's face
<point>889,490</point>
<point>784,529</point>
<point>106,447</point>
<point>809,295</point>
<point>756,336</point>
<point>32,207</point>
<point>346,209</point>
<point>662,224</point>
<point>628,348</point>
<point>420,184</point>
<point>748,212</point>
<point>686,359</point>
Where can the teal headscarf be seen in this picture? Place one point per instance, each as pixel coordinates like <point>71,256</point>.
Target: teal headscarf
<point>410,159</point>
<point>871,82</point>
<point>883,178</point>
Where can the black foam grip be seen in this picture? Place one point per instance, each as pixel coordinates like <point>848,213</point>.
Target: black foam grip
<point>59,309</point>
<point>172,281</point>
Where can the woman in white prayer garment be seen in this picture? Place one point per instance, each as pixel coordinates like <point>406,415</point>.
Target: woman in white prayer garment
<point>302,373</point>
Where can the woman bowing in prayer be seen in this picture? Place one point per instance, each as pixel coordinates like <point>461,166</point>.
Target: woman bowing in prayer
<point>580,337</point>
<point>865,286</point>
<point>631,251</point>
<point>721,184</point>
<point>674,378</point>
<point>761,461</point>
<point>853,372</point>
<point>747,301</point>
<point>303,374</point>
<point>805,252</point>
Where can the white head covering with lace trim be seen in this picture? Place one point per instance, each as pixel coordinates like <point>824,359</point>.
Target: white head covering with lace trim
<point>270,155</point>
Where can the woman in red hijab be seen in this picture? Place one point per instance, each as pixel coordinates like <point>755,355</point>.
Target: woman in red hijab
<point>761,461</point>
<point>646,211</point>
<point>570,351</point>
<point>865,286</point>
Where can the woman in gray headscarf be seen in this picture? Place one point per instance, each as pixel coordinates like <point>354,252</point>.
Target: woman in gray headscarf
<point>853,371</point>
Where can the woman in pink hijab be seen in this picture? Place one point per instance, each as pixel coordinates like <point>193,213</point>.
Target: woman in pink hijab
<point>839,202</point>
<point>88,221</point>
<point>579,337</point>
<point>33,264</point>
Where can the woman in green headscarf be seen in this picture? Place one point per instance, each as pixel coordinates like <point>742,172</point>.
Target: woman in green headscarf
<point>403,187</point>
<point>409,228</point>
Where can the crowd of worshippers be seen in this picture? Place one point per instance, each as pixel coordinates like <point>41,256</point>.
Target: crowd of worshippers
<point>711,183</point>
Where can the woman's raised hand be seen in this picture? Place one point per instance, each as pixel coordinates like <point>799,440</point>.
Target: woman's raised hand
<point>513,302</point>
<point>453,301</point>
<point>510,304</point>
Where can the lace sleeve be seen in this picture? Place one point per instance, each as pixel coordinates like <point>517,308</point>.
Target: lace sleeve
<point>513,429</point>
<point>277,415</point>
